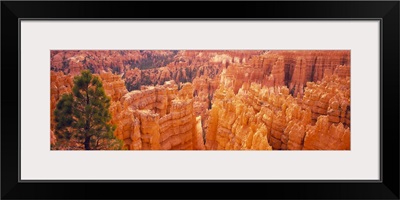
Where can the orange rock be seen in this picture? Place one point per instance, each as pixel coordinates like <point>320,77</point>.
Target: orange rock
<point>291,68</point>
<point>330,97</point>
<point>159,117</point>
<point>327,136</point>
<point>270,117</point>
<point>52,138</point>
<point>258,99</point>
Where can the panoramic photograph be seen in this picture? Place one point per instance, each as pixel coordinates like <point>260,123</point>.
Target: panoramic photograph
<point>200,100</point>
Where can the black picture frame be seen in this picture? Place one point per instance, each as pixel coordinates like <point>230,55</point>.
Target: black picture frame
<point>386,11</point>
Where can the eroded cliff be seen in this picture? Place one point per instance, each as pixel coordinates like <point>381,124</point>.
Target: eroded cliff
<point>279,119</point>
<point>214,100</point>
<point>158,117</point>
<point>288,68</point>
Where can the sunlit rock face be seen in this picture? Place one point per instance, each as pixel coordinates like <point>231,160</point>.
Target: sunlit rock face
<point>218,100</point>
<point>289,68</point>
<point>319,121</point>
<point>330,97</point>
<point>159,118</point>
<point>327,136</point>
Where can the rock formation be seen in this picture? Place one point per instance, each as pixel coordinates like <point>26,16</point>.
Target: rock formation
<point>158,117</point>
<point>291,68</point>
<point>278,119</point>
<point>71,62</point>
<point>329,97</point>
<point>218,100</point>
<point>327,136</point>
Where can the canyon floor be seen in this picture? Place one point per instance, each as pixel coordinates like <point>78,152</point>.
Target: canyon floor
<point>214,99</point>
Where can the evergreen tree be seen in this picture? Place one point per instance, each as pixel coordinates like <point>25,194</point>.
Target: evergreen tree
<point>83,115</point>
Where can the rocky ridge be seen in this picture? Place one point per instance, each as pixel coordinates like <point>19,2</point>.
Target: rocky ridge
<point>282,121</point>
<point>287,100</point>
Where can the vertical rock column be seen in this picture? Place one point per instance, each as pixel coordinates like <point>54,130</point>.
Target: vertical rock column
<point>150,130</point>
<point>327,136</point>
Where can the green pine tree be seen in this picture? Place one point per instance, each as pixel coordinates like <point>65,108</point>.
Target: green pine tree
<point>83,116</point>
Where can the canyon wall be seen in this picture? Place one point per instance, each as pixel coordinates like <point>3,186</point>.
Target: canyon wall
<point>148,67</point>
<point>330,97</point>
<point>187,66</point>
<point>158,117</point>
<point>98,61</point>
<point>289,68</point>
<point>214,100</point>
<point>139,68</point>
<point>318,122</point>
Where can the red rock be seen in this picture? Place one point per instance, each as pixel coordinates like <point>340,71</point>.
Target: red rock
<point>259,100</point>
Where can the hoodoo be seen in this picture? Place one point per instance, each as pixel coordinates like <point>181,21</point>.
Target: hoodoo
<point>215,99</point>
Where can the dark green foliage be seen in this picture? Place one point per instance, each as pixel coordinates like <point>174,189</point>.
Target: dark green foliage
<point>153,61</point>
<point>115,70</point>
<point>132,86</point>
<point>145,80</point>
<point>65,65</point>
<point>83,116</point>
<point>90,67</point>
